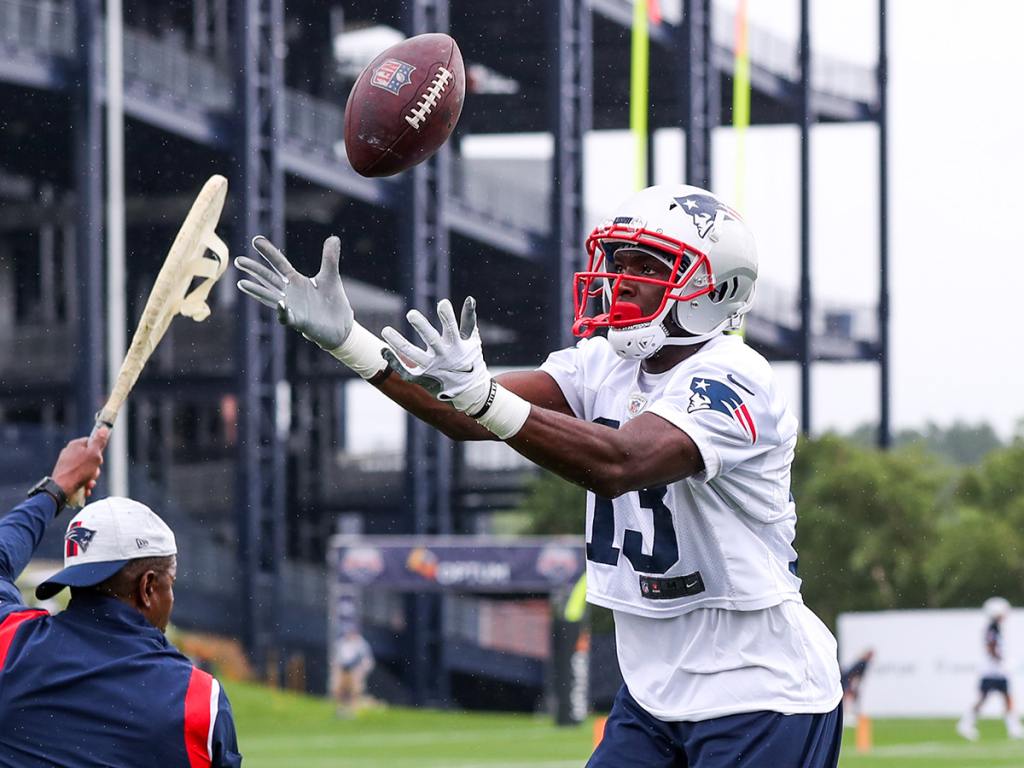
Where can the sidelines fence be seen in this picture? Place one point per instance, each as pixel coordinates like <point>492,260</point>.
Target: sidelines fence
<point>496,597</point>
<point>927,663</point>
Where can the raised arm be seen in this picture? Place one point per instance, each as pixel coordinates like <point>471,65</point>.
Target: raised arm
<point>22,528</point>
<point>647,451</point>
<point>319,309</point>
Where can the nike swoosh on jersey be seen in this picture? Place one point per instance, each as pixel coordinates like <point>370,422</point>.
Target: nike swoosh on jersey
<point>732,378</point>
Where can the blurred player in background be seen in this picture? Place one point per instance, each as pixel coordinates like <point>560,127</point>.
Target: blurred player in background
<point>99,683</point>
<point>851,680</point>
<point>353,662</point>
<point>993,675</point>
<point>684,442</point>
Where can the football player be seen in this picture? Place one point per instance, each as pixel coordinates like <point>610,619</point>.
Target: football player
<point>684,442</point>
<point>993,675</point>
<point>851,680</point>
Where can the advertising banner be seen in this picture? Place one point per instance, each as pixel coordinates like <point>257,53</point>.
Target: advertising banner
<point>469,564</point>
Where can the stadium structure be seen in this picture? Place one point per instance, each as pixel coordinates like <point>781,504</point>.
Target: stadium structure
<point>237,432</point>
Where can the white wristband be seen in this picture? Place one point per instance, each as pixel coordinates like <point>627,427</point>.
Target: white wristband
<point>361,352</point>
<point>504,412</point>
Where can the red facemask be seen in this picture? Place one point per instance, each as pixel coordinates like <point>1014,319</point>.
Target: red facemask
<point>690,265</point>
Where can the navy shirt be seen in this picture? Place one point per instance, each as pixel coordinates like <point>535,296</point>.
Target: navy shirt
<point>853,674</point>
<point>97,685</point>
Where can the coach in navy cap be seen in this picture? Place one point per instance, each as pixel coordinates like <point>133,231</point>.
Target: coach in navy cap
<point>99,684</point>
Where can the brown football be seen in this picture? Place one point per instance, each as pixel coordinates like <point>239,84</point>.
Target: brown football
<point>404,105</point>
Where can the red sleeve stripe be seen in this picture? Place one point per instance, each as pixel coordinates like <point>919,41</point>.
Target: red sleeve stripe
<point>10,626</point>
<point>200,715</point>
<point>751,429</point>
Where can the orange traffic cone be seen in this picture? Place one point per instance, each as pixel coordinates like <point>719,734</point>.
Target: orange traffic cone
<point>863,733</point>
<point>599,730</point>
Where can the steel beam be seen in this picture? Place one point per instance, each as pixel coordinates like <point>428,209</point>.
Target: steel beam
<point>428,453</point>
<point>700,81</point>
<point>259,187</point>
<point>806,120</point>
<point>87,135</point>
<point>571,108</point>
<point>884,416</point>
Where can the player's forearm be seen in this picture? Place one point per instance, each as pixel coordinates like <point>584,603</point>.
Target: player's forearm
<point>441,416</point>
<point>590,455</point>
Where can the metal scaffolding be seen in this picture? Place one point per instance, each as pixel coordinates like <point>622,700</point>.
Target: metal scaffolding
<point>185,90</point>
<point>88,160</point>
<point>571,108</point>
<point>428,453</point>
<point>701,100</point>
<point>259,187</point>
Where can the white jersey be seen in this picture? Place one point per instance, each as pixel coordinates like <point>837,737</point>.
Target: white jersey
<point>993,665</point>
<point>720,540</point>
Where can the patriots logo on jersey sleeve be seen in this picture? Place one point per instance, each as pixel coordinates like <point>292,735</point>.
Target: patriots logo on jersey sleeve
<point>711,395</point>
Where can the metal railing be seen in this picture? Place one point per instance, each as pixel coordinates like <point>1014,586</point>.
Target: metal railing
<point>48,27</point>
<point>496,197</point>
<point>165,68</point>
<point>781,57</point>
<point>829,319</point>
<point>40,26</point>
<point>314,123</point>
<point>486,456</point>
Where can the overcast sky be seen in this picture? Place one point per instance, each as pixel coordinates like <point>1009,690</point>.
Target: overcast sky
<point>956,165</point>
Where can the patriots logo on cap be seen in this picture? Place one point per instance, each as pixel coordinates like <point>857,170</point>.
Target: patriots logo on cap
<point>77,536</point>
<point>705,211</point>
<point>391,75</point>
<point>711,395</point>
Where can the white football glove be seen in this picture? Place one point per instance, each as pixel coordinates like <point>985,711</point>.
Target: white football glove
<point>452,368</point>
<point>316,307</point>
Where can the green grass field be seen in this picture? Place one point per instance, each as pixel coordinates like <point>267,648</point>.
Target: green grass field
<point>278,730</point>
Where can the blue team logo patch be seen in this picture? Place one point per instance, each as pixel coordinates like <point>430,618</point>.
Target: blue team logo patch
<point>704,210</point>
<point>391,75</point>
<point>79,536</point>
<point>711,395</point>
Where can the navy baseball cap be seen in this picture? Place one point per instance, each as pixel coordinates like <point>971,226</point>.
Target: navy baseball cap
<point>105,536</point>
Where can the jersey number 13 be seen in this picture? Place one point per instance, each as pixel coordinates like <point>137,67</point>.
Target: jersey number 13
<point>665,548</point>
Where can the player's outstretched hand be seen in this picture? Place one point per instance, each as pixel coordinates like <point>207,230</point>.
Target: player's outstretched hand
<point>316,307</point>
<point>451,367</point>
<point>78,465</point>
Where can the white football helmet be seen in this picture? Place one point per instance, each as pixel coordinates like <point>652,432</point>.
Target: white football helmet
<point>713,262</point>
<point>996,607</point>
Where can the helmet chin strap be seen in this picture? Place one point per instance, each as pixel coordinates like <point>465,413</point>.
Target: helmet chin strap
<point>686,341</point>
<point>644,341</point>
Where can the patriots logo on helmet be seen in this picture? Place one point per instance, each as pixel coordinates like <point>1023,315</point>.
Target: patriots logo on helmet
<point>704,210</point>
<point>78,536</point>
<point>711,395</point>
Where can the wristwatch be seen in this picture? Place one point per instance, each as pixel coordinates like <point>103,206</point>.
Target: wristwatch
<point>49,486</point>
